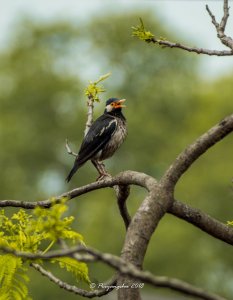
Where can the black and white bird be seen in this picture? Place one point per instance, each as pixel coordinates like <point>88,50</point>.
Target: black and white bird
<point>104,137</point>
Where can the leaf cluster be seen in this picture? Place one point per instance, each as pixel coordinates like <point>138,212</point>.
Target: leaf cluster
<point>93,90</point>
<point>35,233</point>
<point>13,278</point>
<point>140,32</point>
<point>78,269</point>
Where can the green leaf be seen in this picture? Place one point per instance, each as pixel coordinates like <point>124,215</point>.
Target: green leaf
<point>102,78</point>
<point>140,32</point>
<point>13,278</point>
<point>78,269</point>
<point>26,232</point>
<point>93,91</point>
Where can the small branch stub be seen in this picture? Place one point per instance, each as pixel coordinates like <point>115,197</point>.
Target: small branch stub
<point>68,149</point>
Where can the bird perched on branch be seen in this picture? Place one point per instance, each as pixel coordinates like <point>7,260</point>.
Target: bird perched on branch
<point>104,137</point>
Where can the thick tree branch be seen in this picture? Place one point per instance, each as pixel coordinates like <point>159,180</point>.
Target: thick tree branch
<point>195,150</point>
<point>158,201</point>
<point>123,267</point>
<point>179,209</point>
<point>123,178</point>
<point>146,277</point>
<point>202,221</point>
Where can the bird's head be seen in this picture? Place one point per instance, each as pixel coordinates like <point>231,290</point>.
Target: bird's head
<point>114,104</point>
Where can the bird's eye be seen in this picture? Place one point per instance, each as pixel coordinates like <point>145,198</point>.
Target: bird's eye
<point>112,104</point>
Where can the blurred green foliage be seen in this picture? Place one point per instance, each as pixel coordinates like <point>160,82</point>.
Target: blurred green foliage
<point>36,232</point>
<point>140,32</point>
<point>42,78</point>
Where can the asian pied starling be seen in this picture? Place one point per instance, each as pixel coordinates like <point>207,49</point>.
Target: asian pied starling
<point>104,137</point>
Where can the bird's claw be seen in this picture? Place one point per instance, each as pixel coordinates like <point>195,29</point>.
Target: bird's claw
<point>103,176</point>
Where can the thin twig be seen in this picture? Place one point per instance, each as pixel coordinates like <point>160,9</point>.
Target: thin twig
<point>122,193</point>
<point>192,49</point>
<point>220,28</point>
<point>71,252</point>
<point>225,15</point>
<point>212,17</point>
<point>91,100</point>
<point>73,288</point>
<point>68,149</point>
<point>90,107</point>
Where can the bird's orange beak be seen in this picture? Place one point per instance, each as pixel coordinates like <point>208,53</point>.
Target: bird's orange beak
<point>119,104</point>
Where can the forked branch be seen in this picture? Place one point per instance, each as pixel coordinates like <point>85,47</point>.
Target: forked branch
<point>147,36</point>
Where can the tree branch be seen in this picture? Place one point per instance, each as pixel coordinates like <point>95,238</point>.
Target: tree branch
<point>202,221</point>
<point>68,149</point>
<point>73,288</point>
<point>195,150</point>
<point>158,201</point>
<point>147,36</point>
<point>122,193</point>
<point>225,17</point>
<point>177,208</point>
<point>123,178</point>
<point>220,28</point>
<point>196,50</point>
<point>212,17</point>
<point>123,267</point>
<point>92,93</point>
<point>145,276</point>
<point>90,106</point>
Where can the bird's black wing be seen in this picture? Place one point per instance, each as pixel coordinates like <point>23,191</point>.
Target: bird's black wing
<point>97,137</point>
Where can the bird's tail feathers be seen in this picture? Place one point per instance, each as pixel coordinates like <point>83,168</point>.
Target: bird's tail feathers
<point>72,172</point>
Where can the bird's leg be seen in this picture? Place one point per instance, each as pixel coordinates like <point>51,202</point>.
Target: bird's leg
<point>100,167</point>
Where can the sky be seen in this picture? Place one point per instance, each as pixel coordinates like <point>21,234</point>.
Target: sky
<point>187,18</point>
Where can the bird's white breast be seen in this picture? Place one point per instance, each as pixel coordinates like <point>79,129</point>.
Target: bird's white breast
<point>115,141</point>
